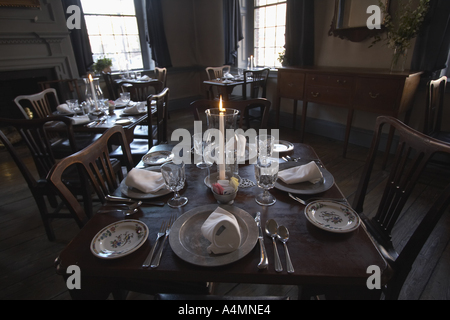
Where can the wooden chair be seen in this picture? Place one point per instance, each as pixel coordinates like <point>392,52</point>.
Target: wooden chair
<point>161,75</point>
<point>435,110</point>
<point>34,135</point>
<point>67,88</point>
<point>212,74</point>
<point>40,103</point>
<point>159,132</point>
<point>96,166</point>
<point>258,85</point>
<point>199,107</point>
<point>412,156</point>
<point>140,91</point>
<point>111,86</point>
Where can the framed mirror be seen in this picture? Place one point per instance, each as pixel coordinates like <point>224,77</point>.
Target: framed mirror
<point>350,20</point>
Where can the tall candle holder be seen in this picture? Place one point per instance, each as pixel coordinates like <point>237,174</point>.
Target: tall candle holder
<point>93,93</point>
<point>224,148</point>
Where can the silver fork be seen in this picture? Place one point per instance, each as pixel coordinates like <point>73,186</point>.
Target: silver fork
<point>159,254</point>
<point>160,234</point>
<point>306,202</point>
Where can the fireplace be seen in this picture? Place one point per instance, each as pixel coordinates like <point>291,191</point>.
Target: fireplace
<point>21,82</point>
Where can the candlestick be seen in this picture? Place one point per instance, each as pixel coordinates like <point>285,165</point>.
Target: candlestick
<point>94,95</point>
<point>221,142</point>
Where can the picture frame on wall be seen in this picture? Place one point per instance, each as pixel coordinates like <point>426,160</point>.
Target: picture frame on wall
<point>32,4</point>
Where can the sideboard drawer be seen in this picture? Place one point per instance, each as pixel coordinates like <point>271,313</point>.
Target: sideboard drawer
<point>378,95</point>
<point>328,95</point>
<point>291,85</point>
<point>329,80</point>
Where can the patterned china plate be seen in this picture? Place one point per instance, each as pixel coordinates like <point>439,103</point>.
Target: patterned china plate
<point>119,239</point>
<point>332,216</point>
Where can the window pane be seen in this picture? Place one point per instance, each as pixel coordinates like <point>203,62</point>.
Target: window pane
<point>270,28</point>
<point>113,32</point>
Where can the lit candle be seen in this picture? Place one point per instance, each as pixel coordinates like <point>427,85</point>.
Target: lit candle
<point>94,95</point>
<point>221,142</point>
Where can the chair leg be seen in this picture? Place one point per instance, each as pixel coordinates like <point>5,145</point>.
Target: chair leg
<point>40,201</point>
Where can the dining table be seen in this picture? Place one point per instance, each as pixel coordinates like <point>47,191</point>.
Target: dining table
<point>323,261</point>
<point>99,123</point>
<point>226,86</point>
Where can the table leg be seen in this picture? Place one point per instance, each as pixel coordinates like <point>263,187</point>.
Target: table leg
<point>294,114</point>
<point>304,113</point>
<point>348,130</point>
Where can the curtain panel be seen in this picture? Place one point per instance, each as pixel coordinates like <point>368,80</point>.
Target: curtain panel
<point>431,52</point>
<point>300,33</point>
<point>156,34</point>
<point>232,29</point>
<point>80,40</point>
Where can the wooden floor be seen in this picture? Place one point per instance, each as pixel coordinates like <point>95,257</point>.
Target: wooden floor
<point>26,256</point>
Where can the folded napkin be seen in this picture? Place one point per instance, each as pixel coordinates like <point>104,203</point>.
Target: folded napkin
<point>222,230</point>
<point>309,172</point>
<point>137,108</point>
<point>80,120</point>
<point>64,108</point>
<point>145,181</point>
<point>144,78</point>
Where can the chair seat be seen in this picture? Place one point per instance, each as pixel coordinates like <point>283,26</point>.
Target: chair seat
<point>61,147</point>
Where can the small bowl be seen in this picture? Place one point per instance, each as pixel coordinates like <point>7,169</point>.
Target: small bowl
<point>224,198</point>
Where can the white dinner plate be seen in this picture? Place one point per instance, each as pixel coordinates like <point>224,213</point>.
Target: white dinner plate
<point>332,216</point>
<point>189,244</point>
<point>119,239</point>
<point>157,158</point>
<point>133,193</point>
<point>305,187</point>
<point>283,146</point>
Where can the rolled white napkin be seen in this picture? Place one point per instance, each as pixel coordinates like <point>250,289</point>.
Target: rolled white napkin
<point>145,181</point>
<point>144,78</point>
<point>309,172</point>
<point>80,120</point>
<point>137,108</point>
<point>222,230</point>
<point>64,108</point>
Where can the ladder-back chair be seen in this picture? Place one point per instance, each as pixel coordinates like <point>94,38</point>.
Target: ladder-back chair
<point>40,103</point>
<point>412,156</point>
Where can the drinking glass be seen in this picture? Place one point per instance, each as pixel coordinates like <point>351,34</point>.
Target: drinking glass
<point>73,105</point>
<point>265,145</point>
<point>174,178</point>
<point>125,97</point>
<point>266,174</point>
<point>200,148</point>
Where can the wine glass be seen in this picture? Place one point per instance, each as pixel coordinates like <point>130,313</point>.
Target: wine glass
<point>265,145</point>
<point>174,178</point>
<point>266,173</point>
<point>125,97</point>
<point>201,148</point>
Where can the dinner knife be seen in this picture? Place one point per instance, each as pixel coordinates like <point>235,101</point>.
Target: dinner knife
<point>126,200</point>
<point>264,262</point>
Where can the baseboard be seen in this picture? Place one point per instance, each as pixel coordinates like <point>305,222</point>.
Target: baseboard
<point>358,136</point>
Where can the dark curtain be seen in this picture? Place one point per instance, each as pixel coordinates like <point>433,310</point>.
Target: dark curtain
<point>433,44</point>
<point>80,40</point>
<point>157,35</point>
<point>300,33</point>
<point>232,28</point>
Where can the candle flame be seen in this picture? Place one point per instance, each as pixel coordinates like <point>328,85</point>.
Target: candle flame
<point>90,77</point>
<point>221,108</point>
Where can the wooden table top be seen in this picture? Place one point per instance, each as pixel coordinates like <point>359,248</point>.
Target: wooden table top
<point>320,258</point>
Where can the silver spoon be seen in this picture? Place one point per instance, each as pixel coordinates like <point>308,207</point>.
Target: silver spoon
<point>272,231</point>
<point>283,235</point>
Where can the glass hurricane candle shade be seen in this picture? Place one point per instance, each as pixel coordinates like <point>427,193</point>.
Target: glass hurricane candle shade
<point>225,147</point>
<point>92,95</point>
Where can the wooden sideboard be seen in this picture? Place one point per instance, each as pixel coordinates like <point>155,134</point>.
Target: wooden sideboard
<point>372,90</point>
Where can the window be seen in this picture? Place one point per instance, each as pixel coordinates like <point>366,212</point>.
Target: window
<point>114,32</point>
<point>269,31</point>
